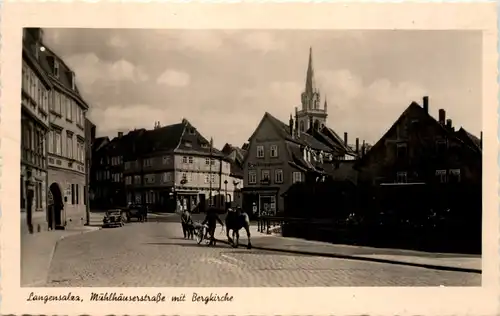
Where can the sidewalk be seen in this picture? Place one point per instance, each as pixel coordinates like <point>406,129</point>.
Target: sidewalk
<point>37,251</point>
<point>441,261</point>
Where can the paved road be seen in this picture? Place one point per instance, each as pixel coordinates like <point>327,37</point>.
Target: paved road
<point>155,255</point>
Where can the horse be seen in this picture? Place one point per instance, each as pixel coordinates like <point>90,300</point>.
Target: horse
<point>235,221</point>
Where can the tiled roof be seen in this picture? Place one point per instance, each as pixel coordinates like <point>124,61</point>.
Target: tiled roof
<point>99,142</point>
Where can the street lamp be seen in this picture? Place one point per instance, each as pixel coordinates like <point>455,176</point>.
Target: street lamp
<point>225,191</point>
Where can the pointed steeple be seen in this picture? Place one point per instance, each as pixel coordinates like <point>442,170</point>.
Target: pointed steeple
<point>325,107</point>
<point>310,82</point>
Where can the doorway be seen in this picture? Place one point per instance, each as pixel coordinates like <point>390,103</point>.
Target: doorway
<point>58,206</point>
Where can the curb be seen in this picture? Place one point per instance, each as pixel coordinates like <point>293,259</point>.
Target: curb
<point>359,258</point>
<point>57,243</point>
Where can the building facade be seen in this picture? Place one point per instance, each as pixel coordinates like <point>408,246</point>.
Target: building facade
<point>35,99</point>
<point>236,156</point>
<point>174,167</point>
<point>420,149</point>
<point>280,155</point>
<point>65,142</point>
<point>100,175</point>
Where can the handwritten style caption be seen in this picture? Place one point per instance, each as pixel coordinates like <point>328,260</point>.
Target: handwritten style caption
<point>120,297</point>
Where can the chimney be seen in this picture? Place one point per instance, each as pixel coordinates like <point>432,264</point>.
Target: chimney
<point>357,145</point>
<point>296,127</point>
<point>442,116</point>
<point>290,125</point>
<point>426,104</point>
<point>345,138</point>
<point>449,124</point>
<point>120,134</point>
<point>363,148</point>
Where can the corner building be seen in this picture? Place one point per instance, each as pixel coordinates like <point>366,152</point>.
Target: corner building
<point>66,142</point>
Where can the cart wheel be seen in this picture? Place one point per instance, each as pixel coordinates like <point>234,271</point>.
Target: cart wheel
<point>199,235</point>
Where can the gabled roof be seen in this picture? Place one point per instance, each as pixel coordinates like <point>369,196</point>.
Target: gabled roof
<point>99,143</point>
<point>469,139</point>
<point>412,107</point>
<point>34,63</point>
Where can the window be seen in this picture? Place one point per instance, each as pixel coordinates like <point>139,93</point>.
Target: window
<point>454,176</point>
<point>73,195</point>
<point>127,165</point>
<point>77,194</point>
<point>147,162</point>
<point>265,176</point>
<point>274,151</point>
<point>260,151</point>
<point>190,159</point>
<point>58,143</point>
<point>184,177</point>
<point>252,177</point>
<point>401,150</point>
<point>166,177</point>
<point>184,159</point>
<point>207,178</point>
<point>166,160</point>
<point>137,179</point>
<point>278,176</point>
<point>69,110</point>
<point>150,179</point>
<point>441,145</point>
<point>56,69</point>
<point>212,177</point>
<point>207,161</point>
<point>128,180</point>
<point>69,146</point>
<point>188,144</point>
<point>296,176</point>
<point>401,177</point>
<point>51,142</point>
<point>441,176</point>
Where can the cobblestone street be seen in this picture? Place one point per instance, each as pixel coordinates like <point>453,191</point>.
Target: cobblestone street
<point>155,254</point>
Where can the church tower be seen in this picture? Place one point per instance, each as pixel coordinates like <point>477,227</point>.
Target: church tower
<point>311,114</point>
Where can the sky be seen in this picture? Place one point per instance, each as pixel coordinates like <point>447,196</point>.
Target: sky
<point>223,81</point>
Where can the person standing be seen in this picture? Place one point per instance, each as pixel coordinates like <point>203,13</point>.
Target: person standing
<point>185,222</point>
<point>211,220</point>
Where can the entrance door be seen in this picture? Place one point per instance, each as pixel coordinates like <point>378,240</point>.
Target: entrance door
<point>58,204</point>
<point>267,205</point>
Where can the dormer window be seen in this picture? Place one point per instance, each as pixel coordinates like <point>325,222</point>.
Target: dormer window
<point>56,68</point>
<point>192,131</point>
<point>72,80</point>
<point>188,144</point>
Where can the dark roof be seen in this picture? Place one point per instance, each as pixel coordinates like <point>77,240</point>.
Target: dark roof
<point>99,142</point>
<point>63,80</point>
<point>33,62</point>
<point>412,107</point>
<point>469,139</point>
<point>303,138</point>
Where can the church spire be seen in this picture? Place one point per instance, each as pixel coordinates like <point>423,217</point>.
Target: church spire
<point>310,82</point>
<point>325,107</point>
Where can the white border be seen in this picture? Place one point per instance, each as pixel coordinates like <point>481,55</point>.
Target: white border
<point>483,300</point>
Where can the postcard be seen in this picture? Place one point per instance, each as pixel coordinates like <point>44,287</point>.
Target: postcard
<point>334,158</point>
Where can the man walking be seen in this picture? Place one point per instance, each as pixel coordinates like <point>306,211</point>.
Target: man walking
<point>211,220</point>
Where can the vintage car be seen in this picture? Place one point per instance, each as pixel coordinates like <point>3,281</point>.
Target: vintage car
<point>113,218</point>
<point>137,211</point>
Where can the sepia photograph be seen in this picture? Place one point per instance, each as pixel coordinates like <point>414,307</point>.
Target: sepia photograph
<point>250,158</point>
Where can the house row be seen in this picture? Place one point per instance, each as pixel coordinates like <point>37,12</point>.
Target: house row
<point>167,167</point>
<point>55,138</point>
